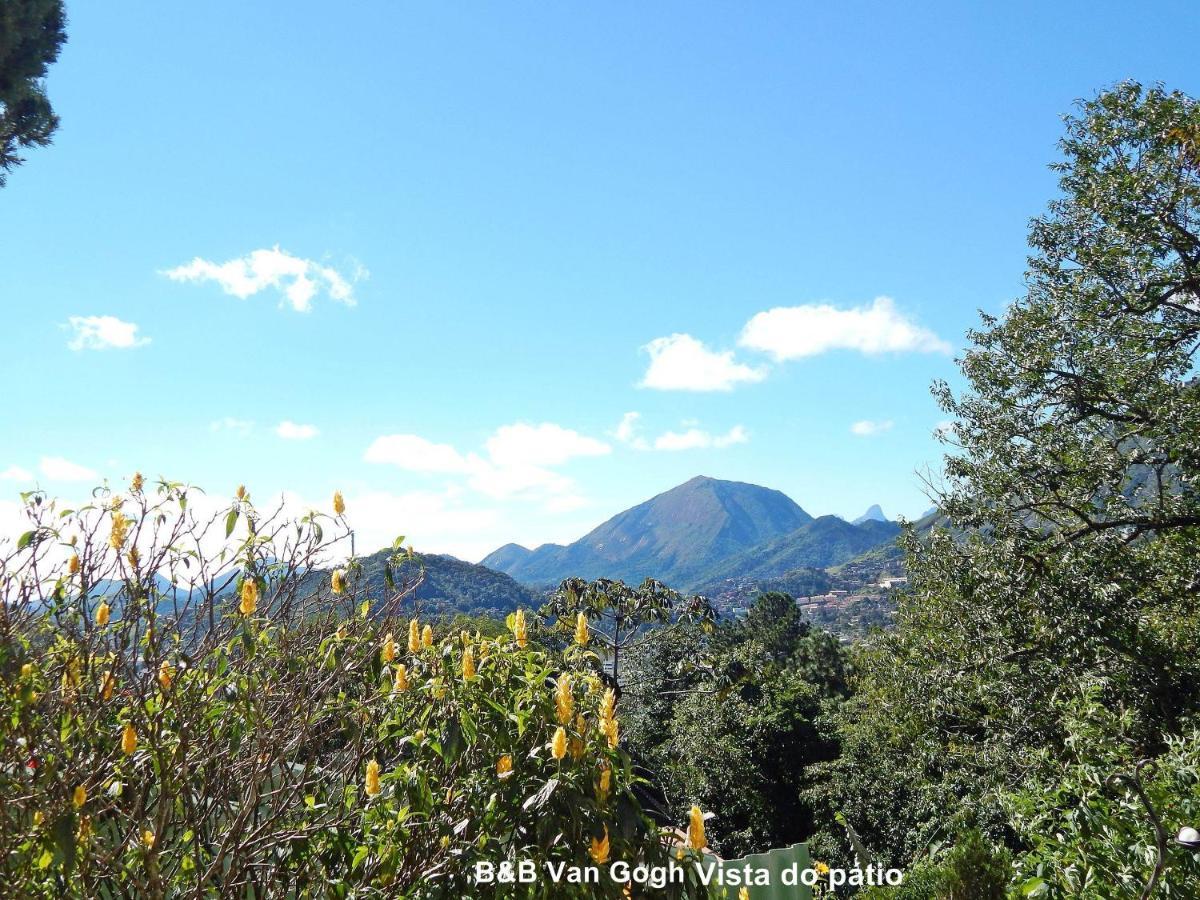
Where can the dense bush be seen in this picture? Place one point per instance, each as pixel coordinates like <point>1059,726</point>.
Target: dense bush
<point>183,714</point>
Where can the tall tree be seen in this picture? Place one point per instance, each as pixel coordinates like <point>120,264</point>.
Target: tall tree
<point>31,34</point>
<point>1073,492</point>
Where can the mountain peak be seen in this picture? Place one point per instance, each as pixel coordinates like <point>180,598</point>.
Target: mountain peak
<point>873,514</point>
<point>673,536</point>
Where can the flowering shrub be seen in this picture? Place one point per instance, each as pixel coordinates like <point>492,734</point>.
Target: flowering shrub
<point>192,706</point>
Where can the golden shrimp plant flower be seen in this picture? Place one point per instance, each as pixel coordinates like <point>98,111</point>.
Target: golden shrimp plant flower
<point>414,636</point>
<point>79,796</point>
<point>129,739</point>
<point>107,683</point>
<point>582,633</point>
<point>599,850</point>
<point>339,505</point>
<point>103,612</point>
<point>166,675</point>
<point>519,631</point>
<point>696,839</point>
<point>120,530</point>
<point>504,766</point>
<point>136,483</point>
<point>427,637</point>
<point>468,664</point>
<point>400,682</point>
<point>337,581</point>
<point>372,785</point>
<point>388,651</point>
<point>249,597</point>
<point>558,746</point>
<point>564,699</point>
<point>73,564</point>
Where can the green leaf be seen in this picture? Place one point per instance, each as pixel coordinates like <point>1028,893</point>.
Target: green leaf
<point>230,521</point>
<point>25,540</point>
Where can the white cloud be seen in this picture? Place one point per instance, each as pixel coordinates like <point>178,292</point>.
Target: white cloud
<point>298,280</point>
<point>229,423</point>
<point>58,469</point>
<point>626,432</point>
<point>291,431</point>
<point>869,428</point>
<point>540,445</point>
<point>679,362</point>
<point>415,454</point>
<point>791,332</point>
<point>103,333</point>
<point>516,464</point>
<point>696,438</point>
<point>16,473</point>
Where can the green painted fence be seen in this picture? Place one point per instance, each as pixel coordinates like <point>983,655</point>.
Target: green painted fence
<point>776,862</point>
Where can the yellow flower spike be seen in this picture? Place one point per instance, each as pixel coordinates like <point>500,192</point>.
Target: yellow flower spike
<point>576,748</point>
<point>504,766</point>
<point>149,839</point>
<point>468,664</point>
<point>103,611</point>
<point>38,818</point>
<point>821,868</point>
<point>599,849</point>
<point>134,557</point>
<point>400,682</point>
<point>581,630</point>
<point>120,530</point>
<point>129,740</point>
<point>608,704</point>
<point>558,746</point>
<point>388,651</point>
<point>372,785</point>
<point>241,492</point>
<point>341,632</point>
<point>605,783</point>
<point>485,647</point>
<point>427,637</point>
<point>414,636</point>
<point>107,683</point>
<point>519,631</point>
<point>249,597</point>
<point>27,670</point>
<point>73,564</point>
<point>696,839</point>
<point>564,699</point>
<point>337,581</point>
<point>339,505</point>
<point>166,674</point>
<point>744,894</point>
<point>79,797</point>
<point>136,483</point>
<point>613,731</point>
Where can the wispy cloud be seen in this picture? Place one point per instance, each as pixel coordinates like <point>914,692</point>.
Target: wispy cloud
<point>298,280</point>
<point>869,428</point>
<point>791,332</point>
<point>680,362</point>
<point>517,461</point>
<point>231,423</point>
<point>103,333</point>
<point>291,431</point>
<point>698,439</point>
<point>16,473</point>
<point>58,469</point>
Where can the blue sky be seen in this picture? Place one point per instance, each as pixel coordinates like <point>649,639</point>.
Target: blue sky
<point>470,239</point>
